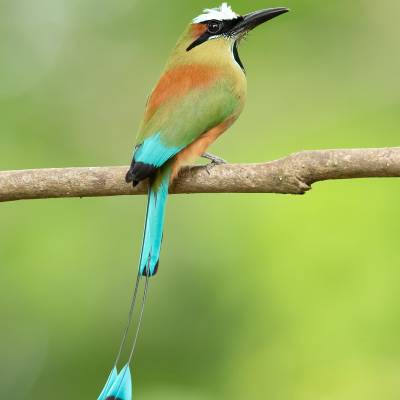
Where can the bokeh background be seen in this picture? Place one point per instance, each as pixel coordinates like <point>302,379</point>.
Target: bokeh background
<point>258,296</point>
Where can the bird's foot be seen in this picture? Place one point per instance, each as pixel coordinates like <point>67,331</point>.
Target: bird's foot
<point>215,160</point>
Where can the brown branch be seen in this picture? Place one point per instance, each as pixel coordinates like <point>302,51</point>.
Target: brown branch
<point>290,175</point>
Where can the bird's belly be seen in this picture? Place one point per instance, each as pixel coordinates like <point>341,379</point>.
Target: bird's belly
<point>199,146</point>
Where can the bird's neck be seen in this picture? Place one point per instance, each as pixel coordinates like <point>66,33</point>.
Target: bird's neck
<point>220,53</point>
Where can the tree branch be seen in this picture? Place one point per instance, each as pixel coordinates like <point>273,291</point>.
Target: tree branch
<point>290,175</point>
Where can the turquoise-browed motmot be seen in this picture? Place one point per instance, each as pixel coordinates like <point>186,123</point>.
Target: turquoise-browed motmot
<point>200,94</point>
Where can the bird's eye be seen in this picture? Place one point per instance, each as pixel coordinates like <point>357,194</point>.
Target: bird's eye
<point>214,27</point>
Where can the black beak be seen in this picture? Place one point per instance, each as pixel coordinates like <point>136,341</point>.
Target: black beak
<point>252,20</point>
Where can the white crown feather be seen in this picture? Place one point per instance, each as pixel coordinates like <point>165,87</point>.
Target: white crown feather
<point>224,12</point>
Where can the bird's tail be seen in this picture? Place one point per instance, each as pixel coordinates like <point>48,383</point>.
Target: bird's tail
<point>119,386</point>
<point>154,223</point>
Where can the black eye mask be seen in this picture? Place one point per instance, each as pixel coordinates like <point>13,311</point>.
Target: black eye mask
<point>215,28</point>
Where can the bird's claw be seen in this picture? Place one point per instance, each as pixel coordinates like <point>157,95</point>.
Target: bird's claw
<point>215,160</point>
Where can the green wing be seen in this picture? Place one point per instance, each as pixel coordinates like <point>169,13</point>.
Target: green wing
<point>180,121</point>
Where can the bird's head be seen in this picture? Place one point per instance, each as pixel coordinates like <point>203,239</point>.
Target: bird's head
<point>220,28</point>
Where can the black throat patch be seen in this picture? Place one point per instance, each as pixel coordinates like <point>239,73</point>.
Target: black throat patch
<point>237,57</point>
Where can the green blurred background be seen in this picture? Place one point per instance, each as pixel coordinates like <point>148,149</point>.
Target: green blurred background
<point>258,296</point>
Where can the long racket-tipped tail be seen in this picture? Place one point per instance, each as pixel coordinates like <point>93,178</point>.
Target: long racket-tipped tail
<point>119,386</point>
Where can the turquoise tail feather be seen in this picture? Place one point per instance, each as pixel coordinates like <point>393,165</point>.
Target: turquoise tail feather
<point>153,231</point>
<point>122,386</point>
<point>110,381</point>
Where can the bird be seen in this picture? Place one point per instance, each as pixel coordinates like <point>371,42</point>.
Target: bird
<point>201,93</point>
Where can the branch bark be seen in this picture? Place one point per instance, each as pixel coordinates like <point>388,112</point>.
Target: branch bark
<point>293,174</point>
